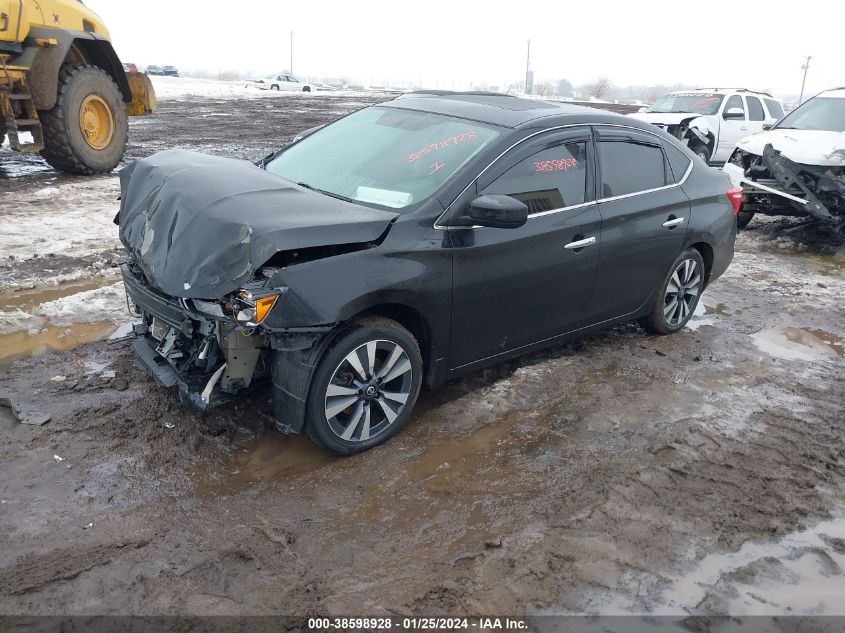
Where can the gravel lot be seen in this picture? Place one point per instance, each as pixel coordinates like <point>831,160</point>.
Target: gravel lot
<point>697,473</point>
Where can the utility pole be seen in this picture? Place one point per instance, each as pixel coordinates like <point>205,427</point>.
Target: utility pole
<point>291,52</point>
<point>527,66</point>
<point>803,81</point>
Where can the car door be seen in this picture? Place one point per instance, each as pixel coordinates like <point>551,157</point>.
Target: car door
<point>645,215</point>
<point>515,287</point>
<point>731,130</point>
<point>756,115</point>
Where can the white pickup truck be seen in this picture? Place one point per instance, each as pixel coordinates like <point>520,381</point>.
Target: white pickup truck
<point>712,120</point>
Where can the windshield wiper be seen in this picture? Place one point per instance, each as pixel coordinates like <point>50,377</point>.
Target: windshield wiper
<point>325,193</point>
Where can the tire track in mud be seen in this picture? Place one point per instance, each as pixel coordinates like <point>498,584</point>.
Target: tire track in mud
<point>32,572</point>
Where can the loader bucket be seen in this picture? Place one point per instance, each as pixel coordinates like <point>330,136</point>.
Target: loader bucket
<point>143,95</point>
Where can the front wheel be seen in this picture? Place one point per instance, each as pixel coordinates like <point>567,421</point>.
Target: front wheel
<point>678,296</point>
<point>306,89</point>
<point>364,387</point>
<point>703,152</point>
<point>274,87</point>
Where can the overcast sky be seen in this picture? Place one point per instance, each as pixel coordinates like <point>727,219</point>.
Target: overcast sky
<point>758,45</point>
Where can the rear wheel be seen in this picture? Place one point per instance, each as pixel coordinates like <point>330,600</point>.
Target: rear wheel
<point>678,296</point>
<point>365,387</point>
<point>306,89</point>
<point>86,131</point>
<point>743,218</point>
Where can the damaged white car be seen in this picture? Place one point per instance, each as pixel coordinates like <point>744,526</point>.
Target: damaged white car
<point>798,166</point>
<point>711,121</point>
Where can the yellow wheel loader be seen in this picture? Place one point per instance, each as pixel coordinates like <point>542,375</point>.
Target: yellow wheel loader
<point>61,80</point>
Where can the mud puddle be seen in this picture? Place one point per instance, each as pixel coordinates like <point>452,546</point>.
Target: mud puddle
<point>28,299</point>
<point>60,338</point>
<point>798,343</point>
<point>270,457</point>
<point>801,573</point>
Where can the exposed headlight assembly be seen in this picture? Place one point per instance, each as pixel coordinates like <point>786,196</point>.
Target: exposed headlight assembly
<point>254,308</point>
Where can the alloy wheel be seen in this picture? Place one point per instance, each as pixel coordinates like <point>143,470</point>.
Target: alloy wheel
<point>682,292</point>
<point>368,390</point>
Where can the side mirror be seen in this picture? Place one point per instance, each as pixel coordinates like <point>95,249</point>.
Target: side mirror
<point>768,126</point>
<point>498,211</point>
<point>734,113</point>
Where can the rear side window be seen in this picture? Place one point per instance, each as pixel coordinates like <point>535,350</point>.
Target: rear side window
<point>678,161</point>
<point>775,110</point>
<point>628,167</point>
<point>755,109</point>
<point>551,179</point>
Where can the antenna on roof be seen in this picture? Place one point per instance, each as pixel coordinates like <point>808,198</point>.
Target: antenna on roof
<point>509,90</point>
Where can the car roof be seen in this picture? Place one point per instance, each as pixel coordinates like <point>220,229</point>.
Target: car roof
<point>494,108</point>
<point>838,93</point>
<point>719,91</point>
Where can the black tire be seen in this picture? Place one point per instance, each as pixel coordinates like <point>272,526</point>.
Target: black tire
<point>743,218</point>
<point>274,87</point>
<point>703,152</point>
<point>658,322</point>
<point>65,144</point>
<point>354,336</point>
<point>306,89</point>
<point>2,132</point>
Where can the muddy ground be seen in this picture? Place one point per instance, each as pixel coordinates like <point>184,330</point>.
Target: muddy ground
<point>698,473</point>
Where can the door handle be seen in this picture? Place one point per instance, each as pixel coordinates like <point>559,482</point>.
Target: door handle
<point>671,224</point>
<point>744,128</point>
<point>4,21</point>
<point>574,246</point>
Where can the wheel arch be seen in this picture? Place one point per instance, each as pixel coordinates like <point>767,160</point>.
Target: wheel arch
<point>412,320</point>
<point>706,252</point>
<point>71,47</point>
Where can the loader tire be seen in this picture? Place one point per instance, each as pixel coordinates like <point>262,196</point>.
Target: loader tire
<point>86,131</point>
<point>2,132</point>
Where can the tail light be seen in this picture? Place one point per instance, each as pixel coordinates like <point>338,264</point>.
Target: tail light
<point>735,196</point>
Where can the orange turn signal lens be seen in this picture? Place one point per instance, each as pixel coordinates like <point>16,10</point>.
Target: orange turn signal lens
<point>263,307</point>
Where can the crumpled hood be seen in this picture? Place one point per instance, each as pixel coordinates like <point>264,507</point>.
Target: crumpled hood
<point>199,226</point>
<point>807,147</point>
<point>666,118</point>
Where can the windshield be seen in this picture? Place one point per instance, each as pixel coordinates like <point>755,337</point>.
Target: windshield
<point>698,102</point>
<point>819,113</point>
<point>383,156</point>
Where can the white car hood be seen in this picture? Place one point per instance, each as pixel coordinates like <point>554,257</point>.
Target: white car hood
<point>807,147</point>
<point>666,118</point>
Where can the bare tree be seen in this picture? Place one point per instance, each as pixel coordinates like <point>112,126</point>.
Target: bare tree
<point>599,87</point>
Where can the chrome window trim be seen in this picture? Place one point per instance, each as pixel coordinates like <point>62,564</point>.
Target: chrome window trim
<point>439,226</point>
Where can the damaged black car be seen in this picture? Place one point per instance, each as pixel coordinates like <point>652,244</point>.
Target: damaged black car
<point>407,243</point>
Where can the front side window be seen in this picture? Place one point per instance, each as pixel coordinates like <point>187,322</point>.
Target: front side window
<point>755,109</point>
<point>735,102</point>
<point>819,113</point>
<point>550,179</point>
<point>383,156</point>
<point>630,167</point>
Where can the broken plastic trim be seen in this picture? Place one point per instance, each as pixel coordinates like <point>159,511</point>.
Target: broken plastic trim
<point>787,174</point>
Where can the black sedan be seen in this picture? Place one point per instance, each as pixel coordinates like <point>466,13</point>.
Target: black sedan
<point>407,243</point>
